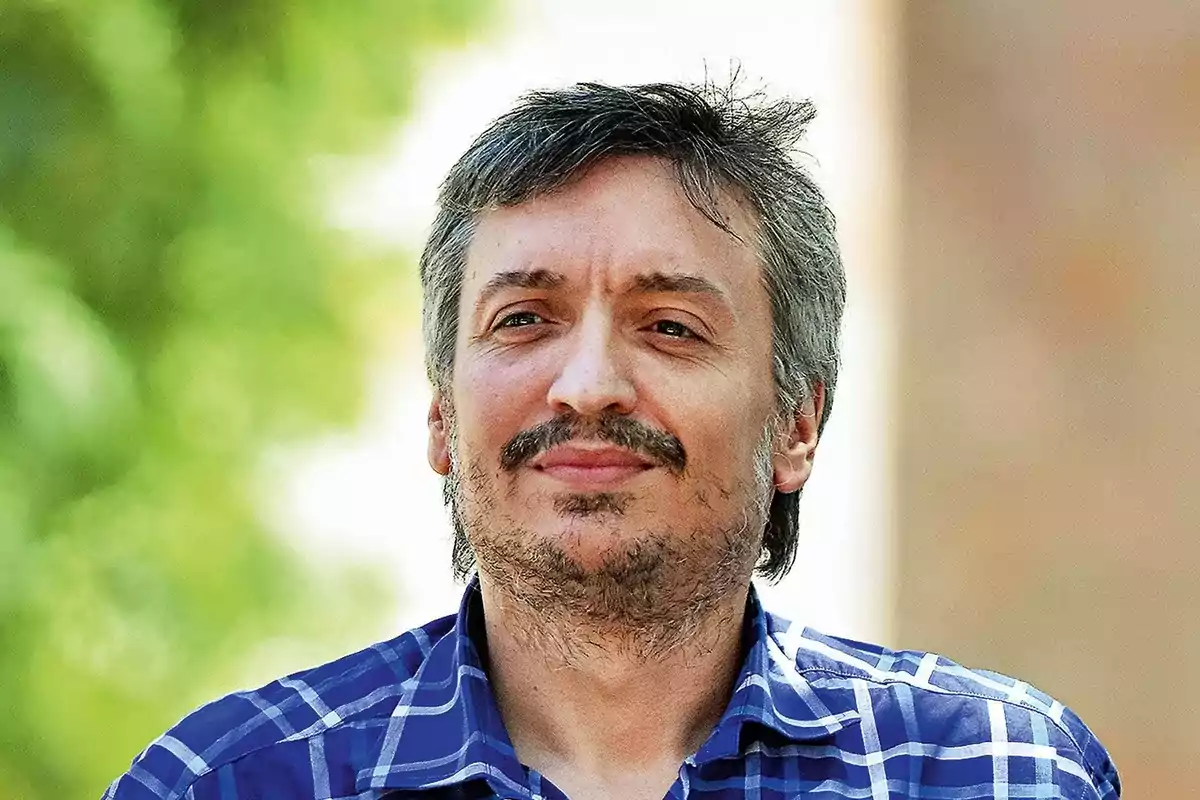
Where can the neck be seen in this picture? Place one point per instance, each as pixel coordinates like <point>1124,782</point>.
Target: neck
<point>586,699</point>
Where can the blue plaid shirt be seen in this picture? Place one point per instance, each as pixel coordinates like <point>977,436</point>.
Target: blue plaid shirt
<point>811,715</point>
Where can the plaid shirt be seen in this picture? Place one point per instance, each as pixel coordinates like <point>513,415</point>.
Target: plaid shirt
<point>811,715</point>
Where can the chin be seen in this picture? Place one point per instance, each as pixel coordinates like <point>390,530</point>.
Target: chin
<point>594,540</point>
<point>599,506</point>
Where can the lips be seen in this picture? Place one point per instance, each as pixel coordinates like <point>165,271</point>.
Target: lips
<point>595,468</point>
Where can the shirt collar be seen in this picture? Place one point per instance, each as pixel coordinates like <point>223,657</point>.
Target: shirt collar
<point>446,729</point>
<point>773,693</point>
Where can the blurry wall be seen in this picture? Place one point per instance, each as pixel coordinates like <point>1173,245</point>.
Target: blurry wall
<point>1050,388</point>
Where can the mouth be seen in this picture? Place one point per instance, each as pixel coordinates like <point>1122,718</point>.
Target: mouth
<point>591,468</point>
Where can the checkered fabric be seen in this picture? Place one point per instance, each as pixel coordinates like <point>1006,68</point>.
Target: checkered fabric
<point>812,715</point>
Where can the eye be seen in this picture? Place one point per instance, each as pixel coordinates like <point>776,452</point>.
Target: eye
<point>673,329</point>
<point>518,319</point>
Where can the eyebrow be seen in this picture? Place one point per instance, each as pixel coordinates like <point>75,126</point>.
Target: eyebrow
<point>653,282</point>
<point>644,283</point>
<point>519,279</point>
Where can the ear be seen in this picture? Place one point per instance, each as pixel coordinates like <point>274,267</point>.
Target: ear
<point>793,462</point>
<point>439,439</point>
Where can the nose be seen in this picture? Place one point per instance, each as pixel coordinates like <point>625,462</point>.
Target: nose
<point>592,378</point>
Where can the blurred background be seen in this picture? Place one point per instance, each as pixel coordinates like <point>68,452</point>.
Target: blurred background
<point>212,399</point>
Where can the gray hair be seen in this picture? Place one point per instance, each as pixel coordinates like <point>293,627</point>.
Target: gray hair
<point>717,141</point>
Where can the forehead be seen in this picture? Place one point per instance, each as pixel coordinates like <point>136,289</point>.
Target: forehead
<point>625,217</point>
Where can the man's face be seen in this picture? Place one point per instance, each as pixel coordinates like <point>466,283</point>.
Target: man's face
<point>611,414</point>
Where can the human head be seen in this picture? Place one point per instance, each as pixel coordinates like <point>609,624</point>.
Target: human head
<point>717,141</point>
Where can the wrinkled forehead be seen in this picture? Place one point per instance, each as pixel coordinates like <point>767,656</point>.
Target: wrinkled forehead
<point>628,215</point>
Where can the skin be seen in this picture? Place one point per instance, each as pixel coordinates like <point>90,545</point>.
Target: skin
<point>614,625</point>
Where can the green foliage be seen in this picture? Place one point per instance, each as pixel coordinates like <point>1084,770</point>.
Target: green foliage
<point>171,303</point>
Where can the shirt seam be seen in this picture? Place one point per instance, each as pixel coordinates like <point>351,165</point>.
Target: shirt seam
<point>181,794</point>
<point>1083,758</point>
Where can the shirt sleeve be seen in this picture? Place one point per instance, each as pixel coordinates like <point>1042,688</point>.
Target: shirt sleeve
<point>163,771</point>
<point>1098,773</point>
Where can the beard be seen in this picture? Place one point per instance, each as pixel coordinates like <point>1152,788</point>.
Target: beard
<point>645,593</point>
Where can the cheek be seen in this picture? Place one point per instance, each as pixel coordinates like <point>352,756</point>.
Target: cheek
<point>707,430</point>
<point>721,431</point>
<point>495,400</point>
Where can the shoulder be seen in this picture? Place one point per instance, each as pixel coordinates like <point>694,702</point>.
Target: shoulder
<point>355,694</point>
<point>945,704</point>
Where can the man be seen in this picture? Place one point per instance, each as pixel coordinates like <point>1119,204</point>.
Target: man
<point>632,300</point>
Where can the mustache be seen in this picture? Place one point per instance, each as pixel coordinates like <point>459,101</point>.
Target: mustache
<point>659,447</point>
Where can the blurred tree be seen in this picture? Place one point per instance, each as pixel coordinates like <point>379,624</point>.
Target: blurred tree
<point>170,304</point>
